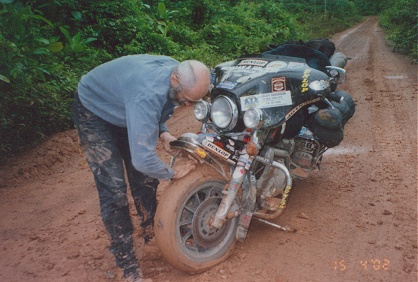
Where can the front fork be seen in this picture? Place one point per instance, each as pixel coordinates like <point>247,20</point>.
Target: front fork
<point>243,164</point>
<point>238,175</point>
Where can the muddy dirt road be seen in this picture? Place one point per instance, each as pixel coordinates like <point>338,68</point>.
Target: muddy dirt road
<point>356,218</point>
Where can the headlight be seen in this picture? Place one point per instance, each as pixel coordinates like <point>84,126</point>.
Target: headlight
<point>201,110</point>
<point>253,117</point>
<point>224,113</point>
<point>319,85</point>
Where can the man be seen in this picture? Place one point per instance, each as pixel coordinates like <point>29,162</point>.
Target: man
<point>120,110</point>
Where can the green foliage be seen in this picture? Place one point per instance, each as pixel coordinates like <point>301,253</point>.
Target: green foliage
<point>322,18</point>
<point>35,83</point>
<point>401,24</point>
<point>162,18</point>
<point>75,44</point>
<point>367,8</point>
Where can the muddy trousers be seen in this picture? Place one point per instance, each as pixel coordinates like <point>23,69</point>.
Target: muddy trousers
<point>106,149</point>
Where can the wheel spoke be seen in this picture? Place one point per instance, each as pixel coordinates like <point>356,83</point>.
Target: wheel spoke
<point>185,222</point>
<point>206,194</point>
<point>214,193</point>
<point>190,209</point>
<point>194,202</point>
<point>196,196</point>
<point>186,236</point>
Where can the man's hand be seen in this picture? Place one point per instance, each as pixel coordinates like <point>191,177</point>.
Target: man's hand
<point>182,167</point>
<point>166,138</point>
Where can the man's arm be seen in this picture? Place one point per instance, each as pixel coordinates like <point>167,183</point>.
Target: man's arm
<point>142,118</point>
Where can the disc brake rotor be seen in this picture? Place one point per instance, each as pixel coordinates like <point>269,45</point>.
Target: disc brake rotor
<point>203,233</point>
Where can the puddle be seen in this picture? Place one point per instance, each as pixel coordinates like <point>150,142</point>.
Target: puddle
<point>396,76</point>
<point>350,32</point>
<point>341,150</point>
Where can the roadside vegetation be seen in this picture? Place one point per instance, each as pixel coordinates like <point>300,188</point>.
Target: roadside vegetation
<point>46,46</point>
<point>400,22</point>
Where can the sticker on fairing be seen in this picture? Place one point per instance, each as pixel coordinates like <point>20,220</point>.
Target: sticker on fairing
<point>276,64</point>
<point>259,63</point>
<point>278,84</point>
<point>305,80</point>
<point>295,65</point>
<point>266,100</point>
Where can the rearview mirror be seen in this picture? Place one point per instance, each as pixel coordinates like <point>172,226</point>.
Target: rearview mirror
<point>337,75</point>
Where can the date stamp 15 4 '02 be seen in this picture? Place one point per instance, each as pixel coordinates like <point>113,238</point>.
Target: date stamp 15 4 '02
<point>366,264</point>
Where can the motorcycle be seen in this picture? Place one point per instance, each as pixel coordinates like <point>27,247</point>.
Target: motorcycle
<point>269,121</point>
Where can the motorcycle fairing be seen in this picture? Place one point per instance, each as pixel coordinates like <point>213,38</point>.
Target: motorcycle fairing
<point>274,84</point>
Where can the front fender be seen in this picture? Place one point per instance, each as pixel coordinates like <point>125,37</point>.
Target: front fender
<point>197,146</point>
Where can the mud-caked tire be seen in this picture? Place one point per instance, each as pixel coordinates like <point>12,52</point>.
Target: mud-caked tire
<point>182,222</point>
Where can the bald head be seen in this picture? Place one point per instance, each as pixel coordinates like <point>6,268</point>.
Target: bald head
<point>194,78</point>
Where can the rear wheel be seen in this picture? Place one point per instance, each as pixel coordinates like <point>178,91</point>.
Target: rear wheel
<point>182,223</point>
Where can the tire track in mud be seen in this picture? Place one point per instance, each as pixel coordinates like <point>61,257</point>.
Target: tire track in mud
<point>395,146</point>
<point>390,116</point>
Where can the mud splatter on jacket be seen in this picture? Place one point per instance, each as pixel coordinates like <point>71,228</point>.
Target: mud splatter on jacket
<point>132,92</point>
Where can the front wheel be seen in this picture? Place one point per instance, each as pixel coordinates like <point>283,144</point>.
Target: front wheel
<point>182,223</point>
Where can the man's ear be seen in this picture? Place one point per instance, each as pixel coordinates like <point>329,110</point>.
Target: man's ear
<point>174,80</point>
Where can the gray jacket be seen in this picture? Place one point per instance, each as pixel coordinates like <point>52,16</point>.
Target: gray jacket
<point>132,92</point>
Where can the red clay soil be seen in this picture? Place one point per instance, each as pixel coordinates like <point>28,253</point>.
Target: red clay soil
<point>356,218</point>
